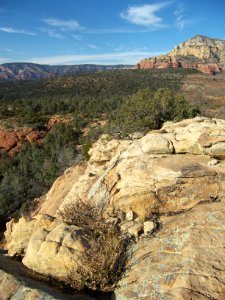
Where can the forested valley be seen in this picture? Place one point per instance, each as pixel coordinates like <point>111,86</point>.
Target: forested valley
<point>127,101</point>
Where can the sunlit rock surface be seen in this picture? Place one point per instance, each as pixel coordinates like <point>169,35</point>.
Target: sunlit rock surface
<point>173,178</point>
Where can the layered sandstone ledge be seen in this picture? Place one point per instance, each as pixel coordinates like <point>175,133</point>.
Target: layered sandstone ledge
<point>13,289</point>
<point>166,62</point>
<point>167,188</point>
<point>24,288</point>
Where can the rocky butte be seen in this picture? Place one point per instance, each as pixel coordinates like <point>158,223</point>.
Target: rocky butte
<point>166,188</point>
<point>202,53</point>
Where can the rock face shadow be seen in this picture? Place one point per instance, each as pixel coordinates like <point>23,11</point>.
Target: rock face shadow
<point>24,282</point>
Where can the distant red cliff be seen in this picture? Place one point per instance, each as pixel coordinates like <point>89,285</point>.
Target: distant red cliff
<point>166,62</point>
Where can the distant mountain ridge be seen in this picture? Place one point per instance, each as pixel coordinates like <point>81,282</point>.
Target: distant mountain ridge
<point>34,71</point>
<point>205,54</point>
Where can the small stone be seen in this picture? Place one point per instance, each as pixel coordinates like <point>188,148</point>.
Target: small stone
<point>126,225</point>
<point>136,230</point>
<point>148,226</point>
<point>136,135</point>
<point>207,145</point>
<point>112,220</point>
<point>68,170</point>
<point>213,162</point>
<point>129,215</point>
<point>121,216</point>
<point>133,228</point>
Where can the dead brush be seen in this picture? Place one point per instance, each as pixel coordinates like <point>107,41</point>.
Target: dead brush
<point>103,263</point>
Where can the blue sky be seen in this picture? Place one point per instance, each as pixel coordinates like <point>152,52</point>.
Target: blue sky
<point>102,31</point>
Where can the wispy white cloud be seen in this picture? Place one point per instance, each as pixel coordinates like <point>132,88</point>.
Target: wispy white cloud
<point>52,33</point>
<point>92,46</point>
<point>180,9</point>
<point>120,48</point>
<point>178,13</point>
<point>17,31</point>
<point>129,57</point>
<point>76,37</point>
<point>63,25</point>
<point>6,49</point>
<point>119,30</point>
<point>127,47</point>
<point>145,15</point>
<point>181,22</point>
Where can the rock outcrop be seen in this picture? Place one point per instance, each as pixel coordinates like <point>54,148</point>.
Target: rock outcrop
<point>185,260</point>
<point>11,140</point>
<point>23,286</point>
<point>166,62</point>
<point>55,246</point>
<point>13,289</point>
<point>167,188</point>
<point>204,54</point>
<point>206,49</point>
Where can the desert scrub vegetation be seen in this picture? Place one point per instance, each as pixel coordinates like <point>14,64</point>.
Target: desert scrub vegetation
<point>32,170</point>
<point>149,109</point>
<point>103,263</point>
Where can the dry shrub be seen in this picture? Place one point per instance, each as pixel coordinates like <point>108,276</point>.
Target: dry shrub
<point>102,265</point>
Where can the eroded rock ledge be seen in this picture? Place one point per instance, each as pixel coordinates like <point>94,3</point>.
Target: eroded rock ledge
<point>173,177</point>
<point>13,288</point>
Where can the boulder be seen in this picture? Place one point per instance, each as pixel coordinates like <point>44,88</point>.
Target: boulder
<point>162,184</point>
<point>17,235</point>
<point>156,144</point>
<point>60,189</point>
<point>54,248</point>
<point>106,148</point>
<point>47,245</point>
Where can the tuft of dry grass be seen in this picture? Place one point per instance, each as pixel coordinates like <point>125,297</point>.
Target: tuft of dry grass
<point>103,263</point>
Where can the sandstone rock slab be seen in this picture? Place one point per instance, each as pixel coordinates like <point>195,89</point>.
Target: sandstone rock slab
<point>185,260</point>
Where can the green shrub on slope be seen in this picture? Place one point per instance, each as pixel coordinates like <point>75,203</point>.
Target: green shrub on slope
<point>149,109</point>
